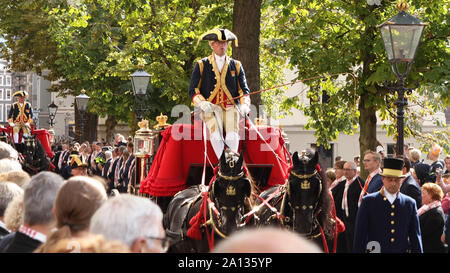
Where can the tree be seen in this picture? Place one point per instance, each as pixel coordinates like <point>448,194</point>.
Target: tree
<point>341,37</point>
<point>246,26</point>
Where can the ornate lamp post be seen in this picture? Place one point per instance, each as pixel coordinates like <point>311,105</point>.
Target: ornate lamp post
<point>401,35</point>
<point>82,101</point>
<point>52,109</point>
<point>139,83</point>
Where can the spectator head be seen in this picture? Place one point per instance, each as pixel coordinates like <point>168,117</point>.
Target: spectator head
<point>76,202</point>
<point>434,152</point>
<point>39,198</point>
<point>8,191</point>
<point>406,165</point>
<point>281,241</point>
<point>108,155</point>
<point>349,170</point>
<point>21,178</point>
<point>7,151</point>
<point>415,155</point>
<point>422,171</point>
<point>431,192</point>
<point>447,162</point>
<point>133,220</point>
<point>7,165</point>
<point>339,169</point>
<point>87,244</point>
<point>330,176</point>
<point>14,213</point>
<point>371,161</point>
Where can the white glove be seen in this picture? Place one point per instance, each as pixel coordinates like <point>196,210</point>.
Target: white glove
<point>206,106</point>
<point>11,124</point>
<point>244,109</point>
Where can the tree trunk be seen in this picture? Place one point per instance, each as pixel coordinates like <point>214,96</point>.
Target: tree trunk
<point>110,124</point>
<point>246,26</point>
<point>368,130</point>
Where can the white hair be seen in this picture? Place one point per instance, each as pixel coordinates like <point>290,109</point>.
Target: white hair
<point>7,165</point>
<point>39,198</point>
<point>7,151</point>
<point>127,218</point>
<point>8,191</point>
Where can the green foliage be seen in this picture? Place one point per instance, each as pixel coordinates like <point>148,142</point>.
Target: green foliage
<point>331,37</point>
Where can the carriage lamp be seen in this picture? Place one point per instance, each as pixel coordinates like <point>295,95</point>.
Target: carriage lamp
<point>139,82</point>
<point>82,101</point>
<point>52,109</point>
<point>143,140</point>
<point>401,36</point>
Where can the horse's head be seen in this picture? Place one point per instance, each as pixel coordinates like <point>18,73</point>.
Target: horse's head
<point>304,190</point>
<point>229,190</point>
<point>30,145</point>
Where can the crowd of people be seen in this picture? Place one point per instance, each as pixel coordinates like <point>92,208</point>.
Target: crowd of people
<point>115,163</point>
<point>402,205</point>
<point>72,209</point>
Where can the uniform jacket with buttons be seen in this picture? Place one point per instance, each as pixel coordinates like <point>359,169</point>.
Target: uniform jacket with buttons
<point>207,80</point>
<point>18,113</point>
<point>395,227</point>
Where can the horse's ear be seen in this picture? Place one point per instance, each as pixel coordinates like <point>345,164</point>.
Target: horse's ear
<point>222,161</point>
<point>240,160</point>
<point>315,158</point>
<point>295,159</point>
<point>247,187</point>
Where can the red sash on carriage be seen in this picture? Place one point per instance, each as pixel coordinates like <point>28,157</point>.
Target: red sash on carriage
<point>170,167</point>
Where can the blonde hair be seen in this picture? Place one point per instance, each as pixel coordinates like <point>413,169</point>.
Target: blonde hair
<point>88,244</point>
<point>434,191</point>
<point>415,155</point>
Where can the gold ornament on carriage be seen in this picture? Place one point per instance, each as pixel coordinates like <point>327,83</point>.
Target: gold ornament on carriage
<point>161,119</point>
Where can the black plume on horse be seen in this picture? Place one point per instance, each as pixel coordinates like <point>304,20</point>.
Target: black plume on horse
<point>303,203</point>
<point>194,214</point>
<point>35,157</point>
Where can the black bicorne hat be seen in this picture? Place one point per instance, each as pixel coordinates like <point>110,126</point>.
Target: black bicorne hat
<point>219,34</point>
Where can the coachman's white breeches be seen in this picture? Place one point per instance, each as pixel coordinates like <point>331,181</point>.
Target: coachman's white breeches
<point>16,130</point>
<point>216,121</point>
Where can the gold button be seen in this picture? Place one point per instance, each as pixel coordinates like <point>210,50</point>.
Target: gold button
<point>393,206</point>
<point>392,222</point>
<point>392,214</point>
<point>392,240</point>
<point>384,199</point>
<point>392,230</point>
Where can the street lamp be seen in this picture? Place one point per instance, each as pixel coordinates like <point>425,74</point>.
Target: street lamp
<point>139,82</point>
<point>82,101</point>
<point>401,36</point>
<point>52,109</point>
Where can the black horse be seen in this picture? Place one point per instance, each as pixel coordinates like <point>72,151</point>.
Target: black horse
<point>303,203</point>
<point>212,213</point>
<point>35,158</point>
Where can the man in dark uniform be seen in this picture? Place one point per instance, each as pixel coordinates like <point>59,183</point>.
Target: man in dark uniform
<point>20,117</point>
<point>215,82</point>
<point>387,220</point>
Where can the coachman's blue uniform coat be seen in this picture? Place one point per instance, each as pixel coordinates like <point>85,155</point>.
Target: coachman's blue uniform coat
<point>394,226</point>
<point>207,82</point>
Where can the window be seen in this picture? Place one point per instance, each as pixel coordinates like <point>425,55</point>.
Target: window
<point>1,79</point>
<point>8,80</point>
<point>7,108</point>
<point>8,94</point>
<point>1,113</point>
<point>1,93</point>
